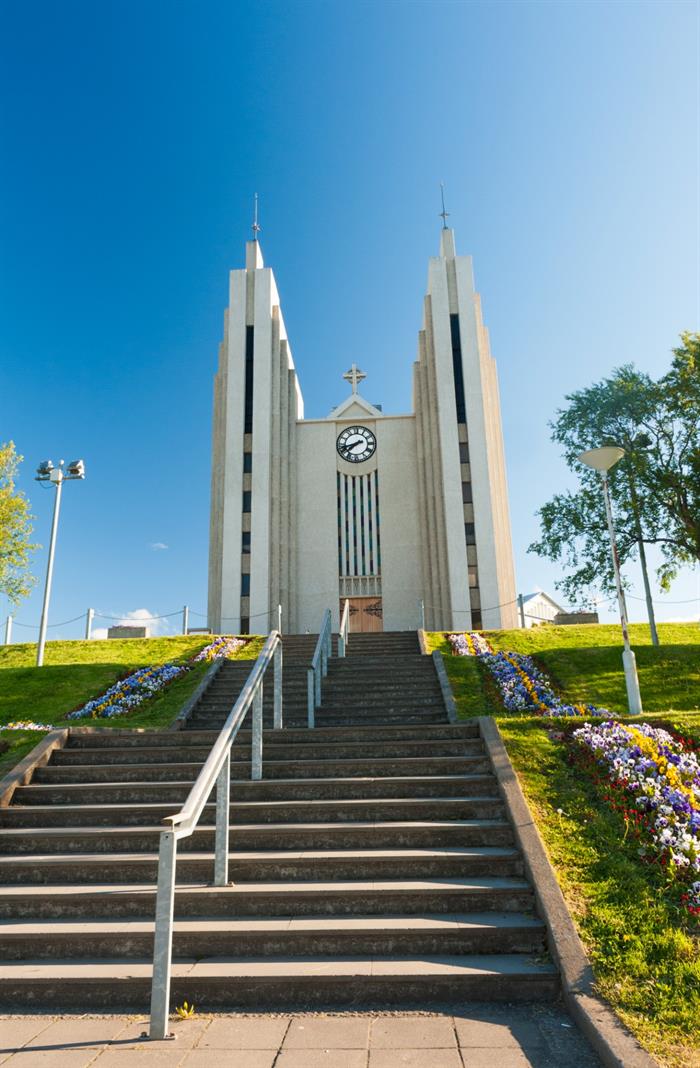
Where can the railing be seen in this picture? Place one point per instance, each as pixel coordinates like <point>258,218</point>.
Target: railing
<point>318,668</point>
<point>344,632</point>
<point>215,773</point>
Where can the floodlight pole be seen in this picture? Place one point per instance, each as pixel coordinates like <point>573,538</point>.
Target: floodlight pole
<point>57,479</point>
<point>601,460</point>
<point>634,698</point>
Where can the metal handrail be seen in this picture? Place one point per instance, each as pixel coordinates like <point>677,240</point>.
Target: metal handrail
<point>344,632</point>
<point>318,668</point>
<point>216,772</point>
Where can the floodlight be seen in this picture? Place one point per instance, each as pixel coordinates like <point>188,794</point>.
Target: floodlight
<point>76,469</point>
<point>44,469</point>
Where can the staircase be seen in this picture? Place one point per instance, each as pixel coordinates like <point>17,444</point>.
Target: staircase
<point>373,864</point>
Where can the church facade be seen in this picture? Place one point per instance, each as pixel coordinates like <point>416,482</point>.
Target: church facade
<point>405,515</point>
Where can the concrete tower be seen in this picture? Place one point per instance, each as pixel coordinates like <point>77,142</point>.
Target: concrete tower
<point>467,550</point>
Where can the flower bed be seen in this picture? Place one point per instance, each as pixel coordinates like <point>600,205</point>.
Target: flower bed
<point>522,686</point>
<point>26,725</point>
<point>224,645</point>
<point>654,780</point>
<point>130,692</point>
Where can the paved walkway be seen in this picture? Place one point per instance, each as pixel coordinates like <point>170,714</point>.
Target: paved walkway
<point>474,1036</point>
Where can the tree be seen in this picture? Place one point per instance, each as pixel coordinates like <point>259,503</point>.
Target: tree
<point>16,581</point>
<point>655,488</point>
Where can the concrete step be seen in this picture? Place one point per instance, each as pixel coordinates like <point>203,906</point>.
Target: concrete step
<point>215,983</point>
<point>263,790</point>
<point>281,936</point>
<point>285,811</point>
<point>347,835</point>
<point>280,769</point>
<point>315,866</point>
<point>298,720</point>
<point>271,769</point>
<point>117,738</point>
<point>317,898</point>
<point>272,750</point>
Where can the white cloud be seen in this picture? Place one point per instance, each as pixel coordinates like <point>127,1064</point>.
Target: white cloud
<point>158,545</point>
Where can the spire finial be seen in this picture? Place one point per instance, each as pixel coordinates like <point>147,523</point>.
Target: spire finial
<point>443,213</point>
<point>255,227</point>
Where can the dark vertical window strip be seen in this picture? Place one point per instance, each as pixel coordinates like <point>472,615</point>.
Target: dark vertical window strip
<point>376,515</point>
<point>249,348</point>
<point>340,532</point>
<point>457,369</point>
<point>356,570</point>
<point>363,479</point>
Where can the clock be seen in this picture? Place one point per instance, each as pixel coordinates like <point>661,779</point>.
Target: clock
<point>356,444</point>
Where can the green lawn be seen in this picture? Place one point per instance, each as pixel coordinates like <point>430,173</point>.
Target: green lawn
<point>75,671</point>
<point>585,664</point>
<point>645,951</point>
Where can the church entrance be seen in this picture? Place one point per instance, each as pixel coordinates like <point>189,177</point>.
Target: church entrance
<point>365,615</point>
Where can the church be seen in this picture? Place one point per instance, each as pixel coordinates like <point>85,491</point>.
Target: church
<point>404,515</point>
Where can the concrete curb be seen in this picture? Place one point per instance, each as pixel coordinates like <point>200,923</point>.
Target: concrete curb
<point>447,695</point>
<point>39,756</point>
<point>422,642</point>
<point>614,1044</point>
<point>186,711</point>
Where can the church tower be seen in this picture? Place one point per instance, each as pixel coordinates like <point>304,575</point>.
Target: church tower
<point>467,552</point>
<point>257,403</point>
<point>406,516</point>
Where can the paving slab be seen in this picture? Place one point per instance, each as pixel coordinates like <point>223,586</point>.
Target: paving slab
<point>263,1033</point>
<point>55,1058</point>
<point>225,1058</point>
<point>416,1058</point>
<point>335,1032</point>
<point>17,1031</point>
<point>322,1058</point>
<point>417,1032</point>
<point>76,1032</point>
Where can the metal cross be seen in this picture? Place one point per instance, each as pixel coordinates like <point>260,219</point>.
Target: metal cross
<point>255,227</point>
<point>443,214</point>
<point>354,375</point>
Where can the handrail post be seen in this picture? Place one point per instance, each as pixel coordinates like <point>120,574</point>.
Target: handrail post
<point>277,666</point>
<point>310,696</point>
<point>257,742</point>
<point>223,802</point>
<point>163,936</point>
<point>343,629</point>
<point>317,680</point>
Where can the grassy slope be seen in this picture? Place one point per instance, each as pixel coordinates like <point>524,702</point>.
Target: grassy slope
<point>75,671</point>
<point>645,954</point>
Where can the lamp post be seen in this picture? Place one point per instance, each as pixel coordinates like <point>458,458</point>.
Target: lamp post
<point>46,472</point>
<point>602,460</point>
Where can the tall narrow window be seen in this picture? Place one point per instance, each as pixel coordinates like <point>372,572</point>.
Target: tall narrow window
<point>247,500</point>
<point>249,346</point>
<point>457,369</point>
<point>245,585</point>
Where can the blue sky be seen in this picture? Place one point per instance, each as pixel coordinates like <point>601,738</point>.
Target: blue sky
<point>133,136</point>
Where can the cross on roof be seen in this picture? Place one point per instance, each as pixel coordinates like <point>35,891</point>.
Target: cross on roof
<point>354,376</point>
<point>443,214</point>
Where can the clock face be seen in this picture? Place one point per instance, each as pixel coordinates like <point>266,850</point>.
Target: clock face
<point>356,444</point>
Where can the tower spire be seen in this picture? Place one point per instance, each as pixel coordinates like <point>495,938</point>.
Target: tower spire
<point>443,214</point>
<point>255,227</point>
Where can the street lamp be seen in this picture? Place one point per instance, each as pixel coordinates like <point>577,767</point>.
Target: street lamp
<point>46,472</point>
<point>602,460</point>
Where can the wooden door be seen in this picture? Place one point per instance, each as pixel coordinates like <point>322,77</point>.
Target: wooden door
<point>365,615</point>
